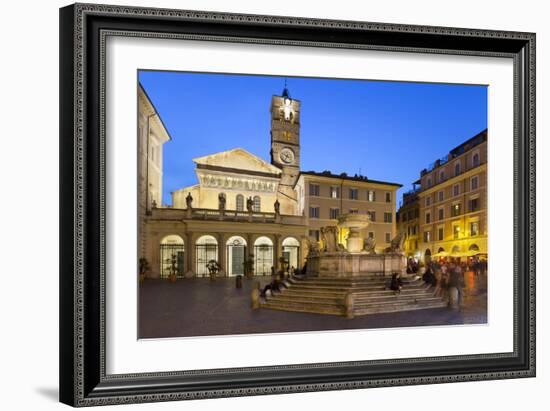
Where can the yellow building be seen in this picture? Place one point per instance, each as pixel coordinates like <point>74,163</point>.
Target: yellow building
<point>452,202</point>
<point>408,222</point>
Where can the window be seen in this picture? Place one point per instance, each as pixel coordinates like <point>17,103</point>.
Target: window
<point>257,204</point>
<point>474,228</point>
<point>372,215</point>
<point>239,202</point>
<point>474,183</point>
<point>427,236</point>
<point>314,234</point>
<point>474,204</point>
<point>440,196</point>
<point>429,182</point>
<point>313,212</point>
<point>371,195</point>
<point>334,192</point>
<point>387,217</point>
<point>475,160</point>
<point>388,197</point>
<point>371,234</point>
<point>440,234</point>
<point>414,230</point>
<point>456,190</point>
<point>404,217</point>
<point>314,189</point>
<point>388,238</point>
<point>455,210</point>
<point>456,231</point>
<point>442,176</point>
<point>353,193</point>
<point>441,213</point>
<point>457,169</point>
<point>334,213</point>
<point>353,211</point>
<point>416,213</point>
<point>428,201</point>
<point>428,218</point>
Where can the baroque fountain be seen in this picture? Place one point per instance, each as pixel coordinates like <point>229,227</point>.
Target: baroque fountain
<point>358,256</point>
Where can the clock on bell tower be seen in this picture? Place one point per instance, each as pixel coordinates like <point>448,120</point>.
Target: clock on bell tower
<point>285,140</point>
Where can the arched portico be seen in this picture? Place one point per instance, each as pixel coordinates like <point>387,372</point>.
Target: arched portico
<point>236,254</point>
<point>206,249</point>
<point>172,256</point>
<point>291,252</point>
<point>263,256</point>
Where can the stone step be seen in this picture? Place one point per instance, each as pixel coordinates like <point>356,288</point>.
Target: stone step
<point>301,307</point>
<point>308,301</point>
<point>392,309</point>
<point>358,289</point>
<point>320,294</point>
<point>307,297</point>
<point>326,281</point>
<point>405,301</point>
<point>392,297</point>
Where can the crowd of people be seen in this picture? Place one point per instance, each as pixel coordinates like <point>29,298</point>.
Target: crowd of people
<point>448,273</point>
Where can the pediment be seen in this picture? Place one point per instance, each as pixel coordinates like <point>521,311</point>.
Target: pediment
<point>237,159</point>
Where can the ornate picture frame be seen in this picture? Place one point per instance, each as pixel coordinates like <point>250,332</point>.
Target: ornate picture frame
<point>84,29</point>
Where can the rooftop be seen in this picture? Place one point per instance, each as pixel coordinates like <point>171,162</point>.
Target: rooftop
<point>345,176</point>
<point>457,151</point>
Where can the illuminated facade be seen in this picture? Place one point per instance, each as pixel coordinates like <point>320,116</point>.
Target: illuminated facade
<point>408,222</point>
<point>452,202</point>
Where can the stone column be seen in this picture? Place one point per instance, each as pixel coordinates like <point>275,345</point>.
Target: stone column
<point>153,254</point>
<point>277,252</point>
<point>189,255</point>
<point>222,249</point>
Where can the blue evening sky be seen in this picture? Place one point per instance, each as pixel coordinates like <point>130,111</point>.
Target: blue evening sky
<point>385,130</point>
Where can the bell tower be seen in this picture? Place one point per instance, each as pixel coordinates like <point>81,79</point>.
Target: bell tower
<point>285,140</point>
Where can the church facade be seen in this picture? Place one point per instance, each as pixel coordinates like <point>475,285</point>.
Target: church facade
<point>244,208</point>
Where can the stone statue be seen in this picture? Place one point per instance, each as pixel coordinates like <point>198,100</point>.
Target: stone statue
<point>370,245</point>
<point>313,248</point>
<point>250,204</point>
<point>329,236</point>
<point>396,245</point>
<point>221,201</point>
<point>189,201</point>
<point>277,207</point>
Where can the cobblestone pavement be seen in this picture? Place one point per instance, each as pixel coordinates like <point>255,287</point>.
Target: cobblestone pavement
<point>200,307</point>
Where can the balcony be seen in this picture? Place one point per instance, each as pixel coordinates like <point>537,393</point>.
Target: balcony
<point>206,214</point>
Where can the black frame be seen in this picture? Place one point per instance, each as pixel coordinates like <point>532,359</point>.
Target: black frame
<point>83,29</point>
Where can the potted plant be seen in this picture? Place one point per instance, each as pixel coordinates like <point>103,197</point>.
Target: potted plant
<point>213,267</point>
<point>144,267</point>
<point>248,264</point>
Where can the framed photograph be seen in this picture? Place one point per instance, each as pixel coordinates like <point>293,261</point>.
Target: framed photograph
<point>262,204</point>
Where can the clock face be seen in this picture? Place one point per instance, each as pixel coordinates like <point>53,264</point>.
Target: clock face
<point>286,155</point>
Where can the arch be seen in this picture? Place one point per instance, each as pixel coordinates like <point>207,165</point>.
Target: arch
<point>239,202</point>
<point>206,249</point>
<point>172,256</point>
<point>263,256</point>
<point>441,250</point>
<point>291,252</point>
<point>428,252</point>
<point>455,249</point>
<point>257,205</point>
<point>473,247</point>
<point>236,254</point>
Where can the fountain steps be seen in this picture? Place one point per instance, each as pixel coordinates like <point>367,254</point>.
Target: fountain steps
<point>314,296</point>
